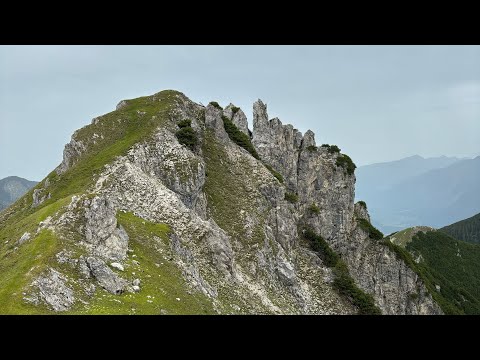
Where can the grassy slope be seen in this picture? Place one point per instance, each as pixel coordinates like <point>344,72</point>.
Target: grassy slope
<point>121,129</point>
<point>453,265</point>
<point>439,264</point>
<point>130,127</point>
<point>403,237</point>
<point>18,268</point>
<point>226,190</point>
<point>160,285</point>
<point>466,230</point>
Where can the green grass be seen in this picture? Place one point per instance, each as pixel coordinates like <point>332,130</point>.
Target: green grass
<point>120,129</point>
<point>161,285</point>
<point>19,268</point>
<point>404,236</point>
<point>343,282</point>
<point>226,188</point>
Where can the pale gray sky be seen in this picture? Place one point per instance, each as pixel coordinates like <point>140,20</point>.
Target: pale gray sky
<point>377,103</point>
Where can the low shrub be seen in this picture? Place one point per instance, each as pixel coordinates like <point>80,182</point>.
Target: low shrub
<point>239,137</point>
<point>185,123</point>
<point>362,203</point>
<point>346,162</point>
<point>343,282</point>
<point>332,149</point>
<point>187,136</point>
<point>215,104</point>
<point>275,173</point>
<point>314,209</point>
<point>291,197</point>
<point>373,232</point>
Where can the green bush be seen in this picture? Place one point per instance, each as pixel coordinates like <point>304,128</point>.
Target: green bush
<point>312,148</point>
<point>332,149</point>
<point>185,123</point>
<point>345,285</point>
<point>235,109</point>
<point>291,197</point>
<point>373,232</point>
<point>319,245</point>
<point>342,282</point>
<point>274,173</point>
<point>346,162</point>
<point>239,137</point>
<point>215,104</point>
<point>314,209</point>
<point>187,136</point>
<point>362,203</point>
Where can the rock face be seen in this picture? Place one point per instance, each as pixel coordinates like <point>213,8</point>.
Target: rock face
<point>70,154</point>
<point>101,231</point>
<point>313,174</point>
<point>52,290</point>
<point>106,278</point>
<point>278,145</point>
<point>396,288</point>
<point>238,117</point>
<point>232,235</point>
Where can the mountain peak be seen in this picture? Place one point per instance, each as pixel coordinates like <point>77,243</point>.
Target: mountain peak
<point>168,206</point>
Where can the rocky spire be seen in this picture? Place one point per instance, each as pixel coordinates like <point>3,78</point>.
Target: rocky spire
<point>238,117</point>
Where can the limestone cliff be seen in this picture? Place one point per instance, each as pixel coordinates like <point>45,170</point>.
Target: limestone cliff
<point>136,218</point>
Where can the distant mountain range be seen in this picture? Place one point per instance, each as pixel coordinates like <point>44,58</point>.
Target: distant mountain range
<point>13,187</point>
<point>417,191</point>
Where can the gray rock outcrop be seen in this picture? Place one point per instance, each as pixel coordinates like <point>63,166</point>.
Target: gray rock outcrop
<point>238,117</point>
<point>53,291</point>
<point>109,240</point>
<point>106,278</point>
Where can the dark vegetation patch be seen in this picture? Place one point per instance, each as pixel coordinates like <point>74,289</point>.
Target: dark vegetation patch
<point>343,282</point>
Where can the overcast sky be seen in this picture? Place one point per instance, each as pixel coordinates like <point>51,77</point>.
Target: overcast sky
<point>377,103</point>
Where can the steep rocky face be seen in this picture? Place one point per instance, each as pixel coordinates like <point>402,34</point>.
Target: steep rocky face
<point>312,173</point>
<point>238,117</point>
<point>70,154</point>
<point>278,145</point>
<point>166,228</point>
<point>378,270</point>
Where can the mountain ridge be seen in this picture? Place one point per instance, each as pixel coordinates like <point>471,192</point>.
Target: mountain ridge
<point>13,187</point>
<point>433,197</point>
<point>159,189</point>
<point>466,230</point>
